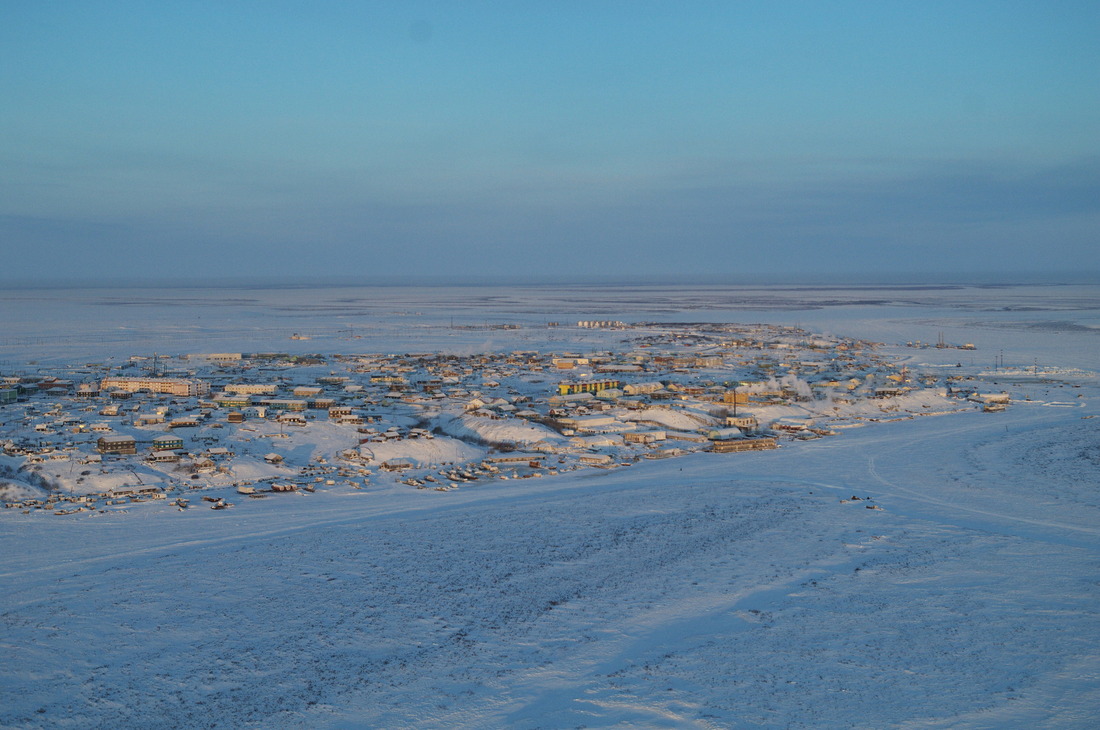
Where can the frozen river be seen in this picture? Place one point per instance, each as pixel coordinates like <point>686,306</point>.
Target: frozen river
<point>1027,322</point>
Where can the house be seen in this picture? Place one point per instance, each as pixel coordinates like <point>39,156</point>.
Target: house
<point>233,400</point>
<point>596,424</point>
<point>1002,398</point>
<point>475,404</point>
<point>596,442</point>
<point>571,399</point>
<point>184,423</point>
<point>644,437</point>
<point>792,424</point>
<point>745,422</point>
<point>285,404</point>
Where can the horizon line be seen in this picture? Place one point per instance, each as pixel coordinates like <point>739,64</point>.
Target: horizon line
<point>866,279</point>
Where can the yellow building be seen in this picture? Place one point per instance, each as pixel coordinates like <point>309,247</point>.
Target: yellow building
<point>586,386</point>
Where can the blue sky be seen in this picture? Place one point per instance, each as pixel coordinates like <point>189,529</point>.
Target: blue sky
<point>542,140</point>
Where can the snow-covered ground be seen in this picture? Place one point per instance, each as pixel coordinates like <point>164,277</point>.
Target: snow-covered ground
<point>711,591</point>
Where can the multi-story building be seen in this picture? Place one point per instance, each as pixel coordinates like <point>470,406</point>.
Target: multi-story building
<point>116,445</point>
<point>586,386</point>
<point>171,386</point>
<point>251,388</point>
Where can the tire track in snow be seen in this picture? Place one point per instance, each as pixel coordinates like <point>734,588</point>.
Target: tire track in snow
<point>956,507</point>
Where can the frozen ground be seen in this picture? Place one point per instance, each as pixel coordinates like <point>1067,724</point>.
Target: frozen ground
<point>712,591</point>
<point>1027,322</point>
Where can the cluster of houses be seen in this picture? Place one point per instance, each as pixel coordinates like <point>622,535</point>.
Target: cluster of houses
<point>662,391</point>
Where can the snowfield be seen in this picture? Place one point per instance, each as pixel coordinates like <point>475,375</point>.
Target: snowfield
<point>495,431</point>
<point>712,591</point>
<point>673,419</point>
<point>422,452</point>
<point>743,590</point>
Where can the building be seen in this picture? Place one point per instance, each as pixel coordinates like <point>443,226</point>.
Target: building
<point>184,422</point>
<point>285,404</point>
<point>644,437</point>
<point>586,386</point>
<point>746,422</point>
<point>167,443</point>
<point>251,388</point>
<point>568,363</point>
<point>116,445</point>
<point>236,400</point>
<point>171,386</point>
<point>219,357</point>
<point>733,397</point>
<point>600,324</point>
<point>643,388</point>
<point>725,447</point>
<point>593,423</point>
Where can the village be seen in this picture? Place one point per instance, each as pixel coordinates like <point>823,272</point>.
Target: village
<point>218,429</point>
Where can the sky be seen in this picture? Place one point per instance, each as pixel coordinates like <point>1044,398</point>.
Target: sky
<point>543,141</point>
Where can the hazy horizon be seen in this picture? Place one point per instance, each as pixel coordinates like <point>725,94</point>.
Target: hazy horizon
<point>821,281</point>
